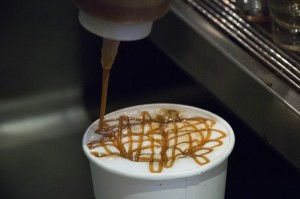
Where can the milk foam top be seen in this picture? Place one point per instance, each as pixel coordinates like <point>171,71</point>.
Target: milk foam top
<point>183,166</point>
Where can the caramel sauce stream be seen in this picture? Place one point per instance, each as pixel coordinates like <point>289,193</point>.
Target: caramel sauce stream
<point>160,140</point>
<point>109,53</point>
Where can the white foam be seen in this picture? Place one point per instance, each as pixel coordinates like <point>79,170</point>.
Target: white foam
<point>183,166</point>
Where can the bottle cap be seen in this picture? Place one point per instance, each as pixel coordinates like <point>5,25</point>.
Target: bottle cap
<point>116,31</point>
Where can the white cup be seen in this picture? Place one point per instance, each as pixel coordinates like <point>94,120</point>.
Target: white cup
<point>118,178</point>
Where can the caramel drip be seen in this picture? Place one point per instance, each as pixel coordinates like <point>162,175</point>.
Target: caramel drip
<point>105,80</point>
<point>160,140</point>
<point>109,53</point>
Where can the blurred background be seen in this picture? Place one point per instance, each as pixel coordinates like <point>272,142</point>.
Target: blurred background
<point>50,85</point>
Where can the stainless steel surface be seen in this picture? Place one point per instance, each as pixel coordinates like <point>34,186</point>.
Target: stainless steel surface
<point>245,71</point>
<point>224,14</point>
<point>42,116</point>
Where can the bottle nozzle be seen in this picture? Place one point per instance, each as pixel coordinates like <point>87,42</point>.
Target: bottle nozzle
<point>109,52</point>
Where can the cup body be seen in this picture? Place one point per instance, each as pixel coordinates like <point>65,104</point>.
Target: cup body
<point>286,23</point>
<point>207,185</point>
<point>117,180</point>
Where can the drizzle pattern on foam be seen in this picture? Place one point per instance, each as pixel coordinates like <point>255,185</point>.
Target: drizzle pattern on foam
<point>159,140</point>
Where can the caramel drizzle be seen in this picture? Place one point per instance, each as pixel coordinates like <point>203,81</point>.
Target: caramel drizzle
<point>167,137</point>
<point>109,52</point>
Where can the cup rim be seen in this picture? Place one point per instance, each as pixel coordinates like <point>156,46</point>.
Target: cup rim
<point>166,176</point>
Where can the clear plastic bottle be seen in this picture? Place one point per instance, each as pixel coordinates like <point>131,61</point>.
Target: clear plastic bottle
<point>121,19</point>
<point>254,10</point>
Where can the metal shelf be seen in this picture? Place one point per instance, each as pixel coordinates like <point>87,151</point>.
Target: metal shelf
<point>239,64</point>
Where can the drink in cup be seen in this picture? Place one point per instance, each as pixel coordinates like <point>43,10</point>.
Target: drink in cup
<point>168,151</point>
